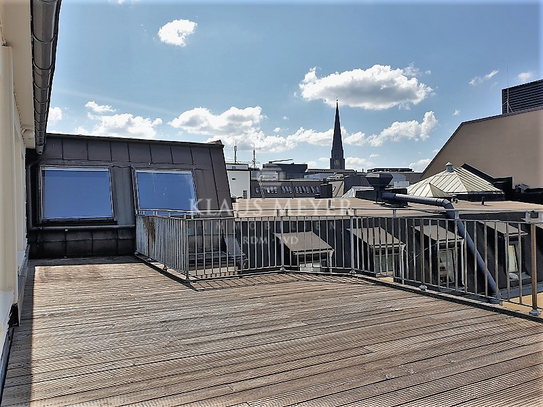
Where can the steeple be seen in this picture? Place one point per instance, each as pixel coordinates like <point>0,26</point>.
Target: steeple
<point>337,160</point>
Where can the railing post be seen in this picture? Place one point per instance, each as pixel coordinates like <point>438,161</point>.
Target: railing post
<point>185,249</point>
<point>353,271</point>
<point>422,286</point>
<point>282,245</point>
<point>534,311</point>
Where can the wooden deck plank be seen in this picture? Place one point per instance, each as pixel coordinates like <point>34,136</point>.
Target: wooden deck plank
<point>363,338</point>
<point>174,313</point>
<point>117,332</point>
<point>366,335</point>
<point>211,383</point>
<point>269,351</point>
<point>371,372</point>
<point>476,392</point>
<point>517,394</point>
<point>394,366</point>
<point>396,390</point>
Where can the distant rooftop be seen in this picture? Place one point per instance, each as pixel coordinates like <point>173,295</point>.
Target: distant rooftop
<point>390,169</point>
<point>452,181</point>
<point>340,206</point>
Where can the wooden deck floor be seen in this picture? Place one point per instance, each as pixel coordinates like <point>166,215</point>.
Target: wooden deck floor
<point>114,331</point>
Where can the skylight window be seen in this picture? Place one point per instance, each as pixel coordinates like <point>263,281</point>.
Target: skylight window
<point>74,193</point>
<point>165,190</point>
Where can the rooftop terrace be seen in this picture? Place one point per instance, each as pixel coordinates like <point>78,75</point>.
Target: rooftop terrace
<point>115,331</point>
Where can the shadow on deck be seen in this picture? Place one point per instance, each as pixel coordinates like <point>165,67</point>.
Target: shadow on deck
<point>114,331</point>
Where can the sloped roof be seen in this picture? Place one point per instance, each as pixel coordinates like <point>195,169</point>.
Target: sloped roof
<point>505,228</point>
<point>458,181</point>
<point>377,236</point>
<point>438,233</point>
<point>304,242</point>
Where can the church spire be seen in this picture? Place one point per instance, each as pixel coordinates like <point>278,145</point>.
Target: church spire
<point>337,160</point>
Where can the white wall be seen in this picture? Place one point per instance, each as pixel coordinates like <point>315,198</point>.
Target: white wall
<point>12,192</point>
<point>239,181</point>
<point>502,146</point>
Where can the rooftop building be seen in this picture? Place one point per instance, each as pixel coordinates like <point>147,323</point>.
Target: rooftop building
<point>508,145</point>
<point>522,97</point>
<point>456,182</point>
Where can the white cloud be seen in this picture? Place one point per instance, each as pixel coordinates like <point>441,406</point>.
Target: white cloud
<point>456,112</point>
<point>311,164</point>
<point>55,115</point>
<point>233,121</point>
<point>234,126</point>
<point>420,164</point>
<point>285,118</point>
<point>357,163</point>
<point>119,125</point>
<point>324,159</point>
<point>81,130</point>
<point>411,130</point>
<point>126,125</point>
<point>356,139</point>
<point>376,88</point>
<point>241,127</point>
<point>480,79</point>
<point>412,70</point>
<point>176,32</point>
<point>314,137</point>
<point>100,109</point>
<point>525,76</point>
<point>374,155</point>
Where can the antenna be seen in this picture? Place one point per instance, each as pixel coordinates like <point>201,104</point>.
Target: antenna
<point>235,154</point>
<point>254,157</point>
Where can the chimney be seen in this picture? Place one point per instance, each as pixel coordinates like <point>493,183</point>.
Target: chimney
<point>449,167</point>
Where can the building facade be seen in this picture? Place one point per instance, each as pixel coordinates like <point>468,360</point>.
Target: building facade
<point>509,145</point>
<point>85,191</point>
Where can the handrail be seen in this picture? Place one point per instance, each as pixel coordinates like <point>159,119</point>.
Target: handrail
<point>421,251</point>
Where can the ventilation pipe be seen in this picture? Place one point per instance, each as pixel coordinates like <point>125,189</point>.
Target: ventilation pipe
<point>451,213</point>
<point>44,30</point>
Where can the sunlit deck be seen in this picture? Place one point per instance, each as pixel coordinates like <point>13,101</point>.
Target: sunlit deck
<point>114,331</point>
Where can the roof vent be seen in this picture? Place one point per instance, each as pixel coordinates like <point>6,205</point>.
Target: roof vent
<point>379,181</point>
<point>449,167</point>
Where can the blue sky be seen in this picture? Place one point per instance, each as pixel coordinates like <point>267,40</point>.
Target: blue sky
<point>266,75</point>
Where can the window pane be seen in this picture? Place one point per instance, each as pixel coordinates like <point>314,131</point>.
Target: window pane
<point>76,193</point>
<point>512,255</point>
<point>165,190</point>
<point>446,265</point>
<point>384,262</point>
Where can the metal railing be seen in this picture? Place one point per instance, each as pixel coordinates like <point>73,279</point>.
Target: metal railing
<point>428,252</point>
